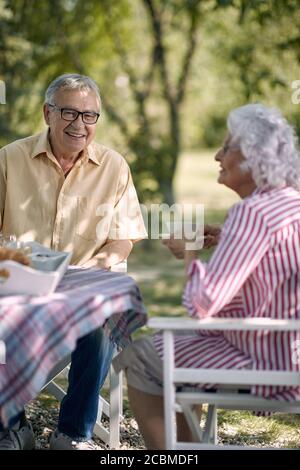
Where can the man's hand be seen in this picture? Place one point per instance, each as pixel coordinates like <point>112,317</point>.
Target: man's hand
<point>113,252</point>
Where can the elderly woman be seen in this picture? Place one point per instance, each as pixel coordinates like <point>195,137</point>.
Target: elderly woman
<point>254,271</point>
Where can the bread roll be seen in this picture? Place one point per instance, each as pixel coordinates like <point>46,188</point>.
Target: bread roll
<point>13,255</point>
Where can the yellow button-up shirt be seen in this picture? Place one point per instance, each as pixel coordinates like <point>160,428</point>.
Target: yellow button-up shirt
<point>95,203</point>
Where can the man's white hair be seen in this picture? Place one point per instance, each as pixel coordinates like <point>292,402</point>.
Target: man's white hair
<point>268,143</point>
<point>70,81</point>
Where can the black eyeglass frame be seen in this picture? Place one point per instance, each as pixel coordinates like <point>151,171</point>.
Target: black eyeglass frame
<point>78,113</point>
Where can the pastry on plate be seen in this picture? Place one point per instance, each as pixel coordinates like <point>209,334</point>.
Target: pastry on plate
<point>13,255</point>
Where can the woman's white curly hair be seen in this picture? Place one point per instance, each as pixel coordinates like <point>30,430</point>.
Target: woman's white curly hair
<point>268,143</point>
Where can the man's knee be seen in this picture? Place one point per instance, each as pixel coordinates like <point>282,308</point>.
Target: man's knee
<point>95,338</point>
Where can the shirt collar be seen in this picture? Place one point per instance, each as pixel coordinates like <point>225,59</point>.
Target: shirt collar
<point>43,146</point>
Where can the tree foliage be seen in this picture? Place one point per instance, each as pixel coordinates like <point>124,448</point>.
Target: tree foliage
<point>148,57</point>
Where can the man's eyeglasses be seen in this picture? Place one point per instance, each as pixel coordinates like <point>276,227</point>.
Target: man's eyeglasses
<point>88,117</point>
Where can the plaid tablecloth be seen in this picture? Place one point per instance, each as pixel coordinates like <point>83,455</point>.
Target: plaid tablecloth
<point>39,331</point>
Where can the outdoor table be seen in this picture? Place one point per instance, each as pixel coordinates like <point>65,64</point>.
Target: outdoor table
<point>40,331</point>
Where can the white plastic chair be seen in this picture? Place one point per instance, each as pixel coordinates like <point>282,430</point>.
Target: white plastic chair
<point>229,381</point>
<point>113,409</point>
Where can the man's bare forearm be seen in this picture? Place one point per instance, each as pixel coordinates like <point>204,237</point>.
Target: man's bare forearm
<point>113,252</point>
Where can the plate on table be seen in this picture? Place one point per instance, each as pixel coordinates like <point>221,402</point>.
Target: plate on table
<point>46,269</point>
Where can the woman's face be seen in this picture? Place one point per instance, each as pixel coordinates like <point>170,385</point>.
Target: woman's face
<point>230,158</point>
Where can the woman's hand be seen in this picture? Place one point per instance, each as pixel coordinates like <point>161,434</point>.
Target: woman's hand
<point>176,246</point>
<point>211,238</point>
<point>211,235</point>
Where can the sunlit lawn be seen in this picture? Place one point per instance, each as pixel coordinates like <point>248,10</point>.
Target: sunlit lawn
<point>160,277</point>
<point>196,181</point>
<point>159,274</point>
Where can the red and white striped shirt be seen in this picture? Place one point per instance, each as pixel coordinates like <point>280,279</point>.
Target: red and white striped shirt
<point>254,272</point>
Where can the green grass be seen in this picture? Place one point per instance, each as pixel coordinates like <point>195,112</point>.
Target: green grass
<point>160,278</point>
<point>279,430</point>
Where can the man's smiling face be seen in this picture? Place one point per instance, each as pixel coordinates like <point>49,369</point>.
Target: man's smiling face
<point>69,138</point>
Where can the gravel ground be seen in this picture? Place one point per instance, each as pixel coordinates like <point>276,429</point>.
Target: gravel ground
<point>237,428</point>
<point>44,420</point>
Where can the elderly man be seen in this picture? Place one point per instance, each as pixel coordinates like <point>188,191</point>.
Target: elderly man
<point>69,193</point>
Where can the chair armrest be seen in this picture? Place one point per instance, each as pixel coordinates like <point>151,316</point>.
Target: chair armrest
<point>193,375</point>
<point>216,323</point>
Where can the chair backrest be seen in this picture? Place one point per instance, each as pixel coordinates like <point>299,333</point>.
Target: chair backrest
<point>226,379</point>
